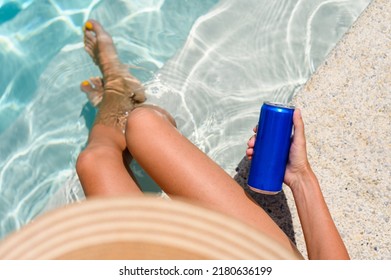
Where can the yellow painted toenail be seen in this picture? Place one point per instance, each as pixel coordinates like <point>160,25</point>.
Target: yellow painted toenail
<point>88,25</point>
<point>85,83</point>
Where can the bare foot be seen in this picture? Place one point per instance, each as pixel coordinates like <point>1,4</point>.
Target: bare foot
<point>122,91</point>
<point>99,45</point>
<point>93,89</point>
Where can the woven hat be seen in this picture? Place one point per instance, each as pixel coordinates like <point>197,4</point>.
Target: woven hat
<point>139,228</point>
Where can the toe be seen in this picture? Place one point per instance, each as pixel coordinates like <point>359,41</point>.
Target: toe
<point>97,82</point>
<point>93,93</point>
<point>90,52</point>
<point>86,87</point>
<point>89,37</point>
<point>88,25</point>
<point>93,25</point>
<point>89,40</point>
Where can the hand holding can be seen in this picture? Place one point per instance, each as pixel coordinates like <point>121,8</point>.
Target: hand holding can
<point>271,148</point>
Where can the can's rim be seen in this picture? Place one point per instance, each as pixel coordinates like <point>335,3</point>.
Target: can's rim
<point>281,105</point>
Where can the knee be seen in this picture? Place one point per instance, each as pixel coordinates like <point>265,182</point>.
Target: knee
<point>147,114</point>
<point>85,162</point>
<point>89,159</point>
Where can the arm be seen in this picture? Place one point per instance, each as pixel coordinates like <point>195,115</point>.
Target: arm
<point>321,235</point>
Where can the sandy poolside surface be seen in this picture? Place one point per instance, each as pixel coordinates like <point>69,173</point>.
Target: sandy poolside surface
<point>346,107</point>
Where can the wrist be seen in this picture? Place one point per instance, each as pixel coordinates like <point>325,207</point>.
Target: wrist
<point>304,179</point>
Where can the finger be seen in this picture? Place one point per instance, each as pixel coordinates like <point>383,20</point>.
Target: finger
<point>255,129</point>
<point>299,135</point>
<point>251,142</point>
<point>249,153</point>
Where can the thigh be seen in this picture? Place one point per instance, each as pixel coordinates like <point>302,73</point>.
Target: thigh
<point>181,169</point>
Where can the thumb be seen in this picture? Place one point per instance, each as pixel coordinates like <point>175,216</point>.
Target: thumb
<point>299,134</point>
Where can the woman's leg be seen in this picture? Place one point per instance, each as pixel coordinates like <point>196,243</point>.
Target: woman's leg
<point>101,167</point>
<point>181,169</point>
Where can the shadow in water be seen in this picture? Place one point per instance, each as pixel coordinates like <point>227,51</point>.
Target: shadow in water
<point>88,113</point>
<point>276,206</point>
<point>8,11</point>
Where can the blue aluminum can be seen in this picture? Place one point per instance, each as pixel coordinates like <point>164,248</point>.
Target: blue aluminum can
<point>271,150</point>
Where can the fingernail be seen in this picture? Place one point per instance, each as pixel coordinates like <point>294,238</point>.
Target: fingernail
<point>299,113</point>
<point>85,83</point>
<point>88,25</point>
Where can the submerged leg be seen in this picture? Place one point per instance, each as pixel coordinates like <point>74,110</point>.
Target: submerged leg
<point>101,166</point>
<point>122,90</point>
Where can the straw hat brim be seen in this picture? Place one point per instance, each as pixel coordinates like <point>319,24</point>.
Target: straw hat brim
<point>139,228</point>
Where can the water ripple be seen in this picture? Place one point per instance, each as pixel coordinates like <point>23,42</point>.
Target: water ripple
<point>212,72</point>
<point>230,61</point>
<point>44,119</point>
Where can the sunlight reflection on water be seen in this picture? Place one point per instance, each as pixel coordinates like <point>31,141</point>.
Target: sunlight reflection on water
<point>211,66</point>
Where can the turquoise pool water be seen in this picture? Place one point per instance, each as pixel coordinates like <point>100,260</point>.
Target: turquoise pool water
<point>211,63</point>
